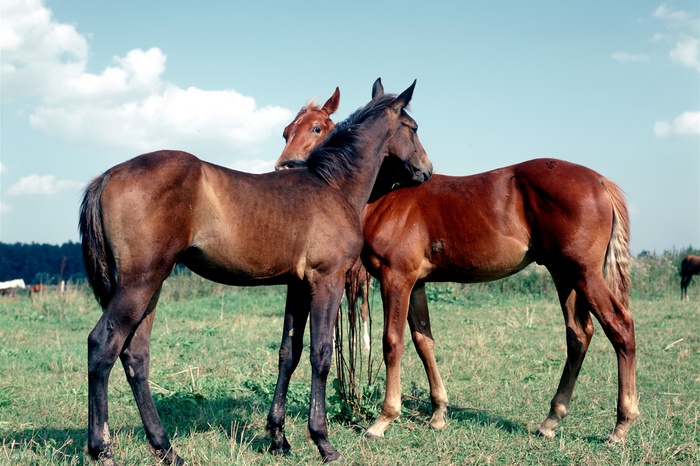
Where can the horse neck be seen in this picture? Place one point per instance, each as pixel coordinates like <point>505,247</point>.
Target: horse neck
<point>369,154</point>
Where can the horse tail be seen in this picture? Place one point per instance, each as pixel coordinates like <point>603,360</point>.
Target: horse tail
<point>97,257</point>
<point>617,258</point>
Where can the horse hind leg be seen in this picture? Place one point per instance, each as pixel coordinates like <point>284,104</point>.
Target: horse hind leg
<point>685,281</point>
<point>419,323</point>
<point>618,325</point>
<point>579,331</point>
<point>106,342</point>
<point>136,362</point>
<point>364,309</point>
<point>396,292</point>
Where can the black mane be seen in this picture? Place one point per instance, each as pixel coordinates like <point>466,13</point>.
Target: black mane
<point>335,157</point>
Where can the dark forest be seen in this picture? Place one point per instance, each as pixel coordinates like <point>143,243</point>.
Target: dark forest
<point>41,263</point>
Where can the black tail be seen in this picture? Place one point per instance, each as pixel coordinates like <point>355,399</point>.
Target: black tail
<point>98,259</point>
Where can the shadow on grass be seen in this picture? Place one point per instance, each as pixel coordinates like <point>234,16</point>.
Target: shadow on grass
<point>420,411</point>
<point>483,418</point>
<point>181,413</point>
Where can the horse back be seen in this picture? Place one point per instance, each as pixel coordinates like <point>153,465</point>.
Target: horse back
<point>690,265</point>
<point>490,225</point>
<point>232,227</point>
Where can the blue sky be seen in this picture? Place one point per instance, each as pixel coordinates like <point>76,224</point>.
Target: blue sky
<point>614,86</point>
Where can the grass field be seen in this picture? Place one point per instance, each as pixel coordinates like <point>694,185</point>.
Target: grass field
<point>214,362</point>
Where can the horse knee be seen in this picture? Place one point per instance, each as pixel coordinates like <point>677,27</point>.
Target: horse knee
<point>393,348</point>
<point>320,359</point>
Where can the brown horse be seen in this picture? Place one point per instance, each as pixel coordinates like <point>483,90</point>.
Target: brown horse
<point>302,135</point>
<point>36,289</point>
<point>489,226</point>
<point>307,130</point>
<point>299,227</point>
<point>689,267</point>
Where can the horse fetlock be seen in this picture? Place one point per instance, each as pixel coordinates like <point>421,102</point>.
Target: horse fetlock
<point>558,411</point>
<point>328,453</point>
<point>279,444</point>
<point>101,451</point>
<point>623,426</point>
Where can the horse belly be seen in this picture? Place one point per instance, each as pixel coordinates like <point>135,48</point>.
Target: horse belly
<point>236,261</point>
<point>476,262</point>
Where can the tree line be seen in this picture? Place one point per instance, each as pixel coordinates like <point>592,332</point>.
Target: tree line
<point>41,263</point>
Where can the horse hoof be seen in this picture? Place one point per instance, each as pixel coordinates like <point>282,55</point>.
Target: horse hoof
<point>104,461</point>
<point>280,451</point>
<point>334,459</point>
<point>437,425</point>
<point>617,438</point>
<point>545,432</point>
<point>372,437</point>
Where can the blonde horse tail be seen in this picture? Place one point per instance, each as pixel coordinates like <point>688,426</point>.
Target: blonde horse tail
<point>617,257</point>
<point>97,257</point>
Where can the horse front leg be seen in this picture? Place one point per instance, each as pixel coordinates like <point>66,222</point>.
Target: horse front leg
<point>396,293</point>
<point>295,315</point>
<point>324,314</point>
<point>419,323</point>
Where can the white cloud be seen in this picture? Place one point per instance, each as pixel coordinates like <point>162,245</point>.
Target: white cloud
<point>688,123</point>
<point>683,30</point>
<point>127,105</point>
<point>5,208</point>
<point>253,166</point>
<point>687,52</point>
<point>623,56</point>
<point>676,17</point>
<point>38,54</point>
<point>42,185</point>
<point>2,168</point>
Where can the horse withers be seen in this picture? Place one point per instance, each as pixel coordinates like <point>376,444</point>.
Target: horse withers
<point>297,227</point>
<point>491,225</point>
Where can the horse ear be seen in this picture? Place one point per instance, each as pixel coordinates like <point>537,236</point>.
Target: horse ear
<point>377,88</point>
<point>404,99</point>
<point>332,104</point>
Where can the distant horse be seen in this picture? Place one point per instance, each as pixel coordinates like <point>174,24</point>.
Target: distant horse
<point>302,135</point>
<point>488,226</point>
<point>36,289</point>
<point>10,287</point>
<point>297,227</point>
<point>689,267</point>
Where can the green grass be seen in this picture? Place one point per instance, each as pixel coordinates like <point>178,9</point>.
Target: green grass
<point>214,363</point>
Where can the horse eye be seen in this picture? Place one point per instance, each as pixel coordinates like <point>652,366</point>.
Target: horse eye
<point>316,129</point>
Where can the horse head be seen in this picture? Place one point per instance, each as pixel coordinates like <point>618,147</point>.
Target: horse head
<point>309,128</point>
